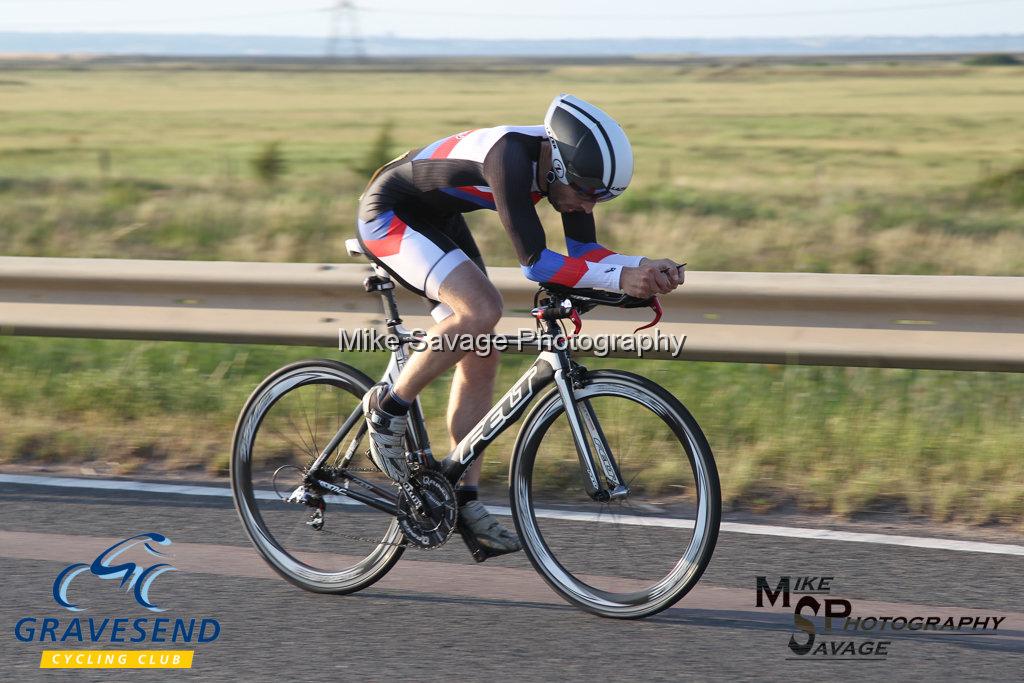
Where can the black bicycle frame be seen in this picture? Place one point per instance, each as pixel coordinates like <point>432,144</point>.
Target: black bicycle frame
<point>503,415</point>
<point>554,364</point>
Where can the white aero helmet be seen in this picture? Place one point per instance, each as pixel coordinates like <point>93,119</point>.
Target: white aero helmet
<point>589,150</point>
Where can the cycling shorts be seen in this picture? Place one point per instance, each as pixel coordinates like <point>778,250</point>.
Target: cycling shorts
<point>419,251</point>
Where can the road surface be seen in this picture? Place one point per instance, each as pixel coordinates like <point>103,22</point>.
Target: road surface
<point>439,616</point>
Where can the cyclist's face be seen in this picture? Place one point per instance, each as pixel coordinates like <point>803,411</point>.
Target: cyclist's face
<point>567,200</point>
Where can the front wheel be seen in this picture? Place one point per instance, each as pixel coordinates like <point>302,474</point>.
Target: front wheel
<point>633,556</point>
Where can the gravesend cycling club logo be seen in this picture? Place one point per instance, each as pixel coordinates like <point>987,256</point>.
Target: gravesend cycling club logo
<point>846,636</point>
<point>133,577</point>
<point>132,566</point>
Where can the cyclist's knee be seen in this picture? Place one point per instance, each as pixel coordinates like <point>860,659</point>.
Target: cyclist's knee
<point>480,320</point>
<point>489,314</point>
<point>474,300</point>
<point>489,308</point>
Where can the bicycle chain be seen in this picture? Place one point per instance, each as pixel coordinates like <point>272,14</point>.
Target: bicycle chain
<point>377,541</point>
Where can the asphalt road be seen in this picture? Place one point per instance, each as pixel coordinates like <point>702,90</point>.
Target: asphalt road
<point>438,615</point>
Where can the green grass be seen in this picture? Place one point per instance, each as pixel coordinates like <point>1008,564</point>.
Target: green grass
<point>739,166</point>
<point>895,168</point>
<point>939,444</point>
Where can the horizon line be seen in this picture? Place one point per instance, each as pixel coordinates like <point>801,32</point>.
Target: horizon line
<point>392,36</point>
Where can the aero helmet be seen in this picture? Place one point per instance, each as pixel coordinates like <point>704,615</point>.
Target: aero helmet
<point>589,150</point>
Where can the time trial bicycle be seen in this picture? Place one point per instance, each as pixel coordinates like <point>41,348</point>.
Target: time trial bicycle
<point>612,485</point>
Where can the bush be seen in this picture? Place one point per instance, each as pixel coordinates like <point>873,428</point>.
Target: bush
<point>1007,186</point>
<point>381,151</point>
<point>269,165</point>
<point>993,60</point>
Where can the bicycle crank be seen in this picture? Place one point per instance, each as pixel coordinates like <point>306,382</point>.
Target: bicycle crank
<point>427,509</point>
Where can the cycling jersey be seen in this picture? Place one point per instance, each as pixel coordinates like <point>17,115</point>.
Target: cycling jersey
<point>410,216</point>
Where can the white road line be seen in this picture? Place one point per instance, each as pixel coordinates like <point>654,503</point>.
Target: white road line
<point>148,487</point>
<point>733,527</point>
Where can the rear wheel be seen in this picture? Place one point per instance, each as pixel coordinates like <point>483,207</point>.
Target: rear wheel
<point>637,555</point>
<point>287,422</point>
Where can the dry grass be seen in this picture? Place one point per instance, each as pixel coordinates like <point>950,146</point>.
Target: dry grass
<point>887,168</point>
<point>739,166</point>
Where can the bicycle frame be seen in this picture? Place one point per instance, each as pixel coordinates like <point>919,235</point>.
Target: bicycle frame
<point>419,508</point>
<point>554,364</point>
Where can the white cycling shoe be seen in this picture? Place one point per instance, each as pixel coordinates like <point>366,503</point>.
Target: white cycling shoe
<point>489,533</point>
<point>387,435</point>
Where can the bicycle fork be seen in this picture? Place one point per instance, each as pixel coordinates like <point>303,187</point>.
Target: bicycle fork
<point>590,442</point>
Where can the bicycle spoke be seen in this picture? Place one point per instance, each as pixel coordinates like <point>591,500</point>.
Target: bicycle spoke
<point>316,420</point>
<point>301,448</point>
<point>322,540</point>
<point>634,567</point>
<point>309,428</point>
<point>298,433</point>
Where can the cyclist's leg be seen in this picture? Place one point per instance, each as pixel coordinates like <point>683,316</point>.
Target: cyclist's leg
<point>471,395</point>
<point>472,391</point>
<point>422,258</point>
<point>476,308</point>
<point>427,261</point>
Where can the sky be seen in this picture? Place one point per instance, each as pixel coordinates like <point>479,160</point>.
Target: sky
<point>524,19</point>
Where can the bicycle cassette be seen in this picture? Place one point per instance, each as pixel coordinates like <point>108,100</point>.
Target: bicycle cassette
<point>427,509</point>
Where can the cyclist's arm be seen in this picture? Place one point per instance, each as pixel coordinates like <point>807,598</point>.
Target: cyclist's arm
<point>581,241</point>
<point>658,276</point>
<point>508,172</point>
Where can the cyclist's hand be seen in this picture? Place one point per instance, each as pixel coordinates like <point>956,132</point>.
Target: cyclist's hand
<point>647,279</point>
<point>674,271</point>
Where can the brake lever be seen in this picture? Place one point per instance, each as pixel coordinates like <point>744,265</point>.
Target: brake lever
<point>576,321</point>
<point>656,307</point>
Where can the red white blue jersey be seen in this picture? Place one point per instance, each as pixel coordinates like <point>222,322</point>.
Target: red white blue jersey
<point>473,146</point>
<point>414,198</point>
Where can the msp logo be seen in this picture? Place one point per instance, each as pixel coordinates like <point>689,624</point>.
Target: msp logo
<point>133,577</point>
<point>844,636</point>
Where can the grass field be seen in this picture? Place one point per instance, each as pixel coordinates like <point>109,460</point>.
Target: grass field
<point>886,167</point>
<point>903,168</point>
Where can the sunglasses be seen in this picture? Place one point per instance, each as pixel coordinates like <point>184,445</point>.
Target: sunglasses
<point>591,194</point>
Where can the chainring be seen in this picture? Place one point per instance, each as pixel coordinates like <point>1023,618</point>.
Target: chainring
<point>427,509</point>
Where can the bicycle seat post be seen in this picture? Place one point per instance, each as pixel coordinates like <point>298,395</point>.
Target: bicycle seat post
<point>386,287</point>
<point>380,282</point>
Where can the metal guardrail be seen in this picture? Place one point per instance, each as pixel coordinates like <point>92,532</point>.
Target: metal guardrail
<point>940,322</point>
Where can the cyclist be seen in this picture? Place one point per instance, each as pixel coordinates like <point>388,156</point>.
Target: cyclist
<point>411,223</point>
